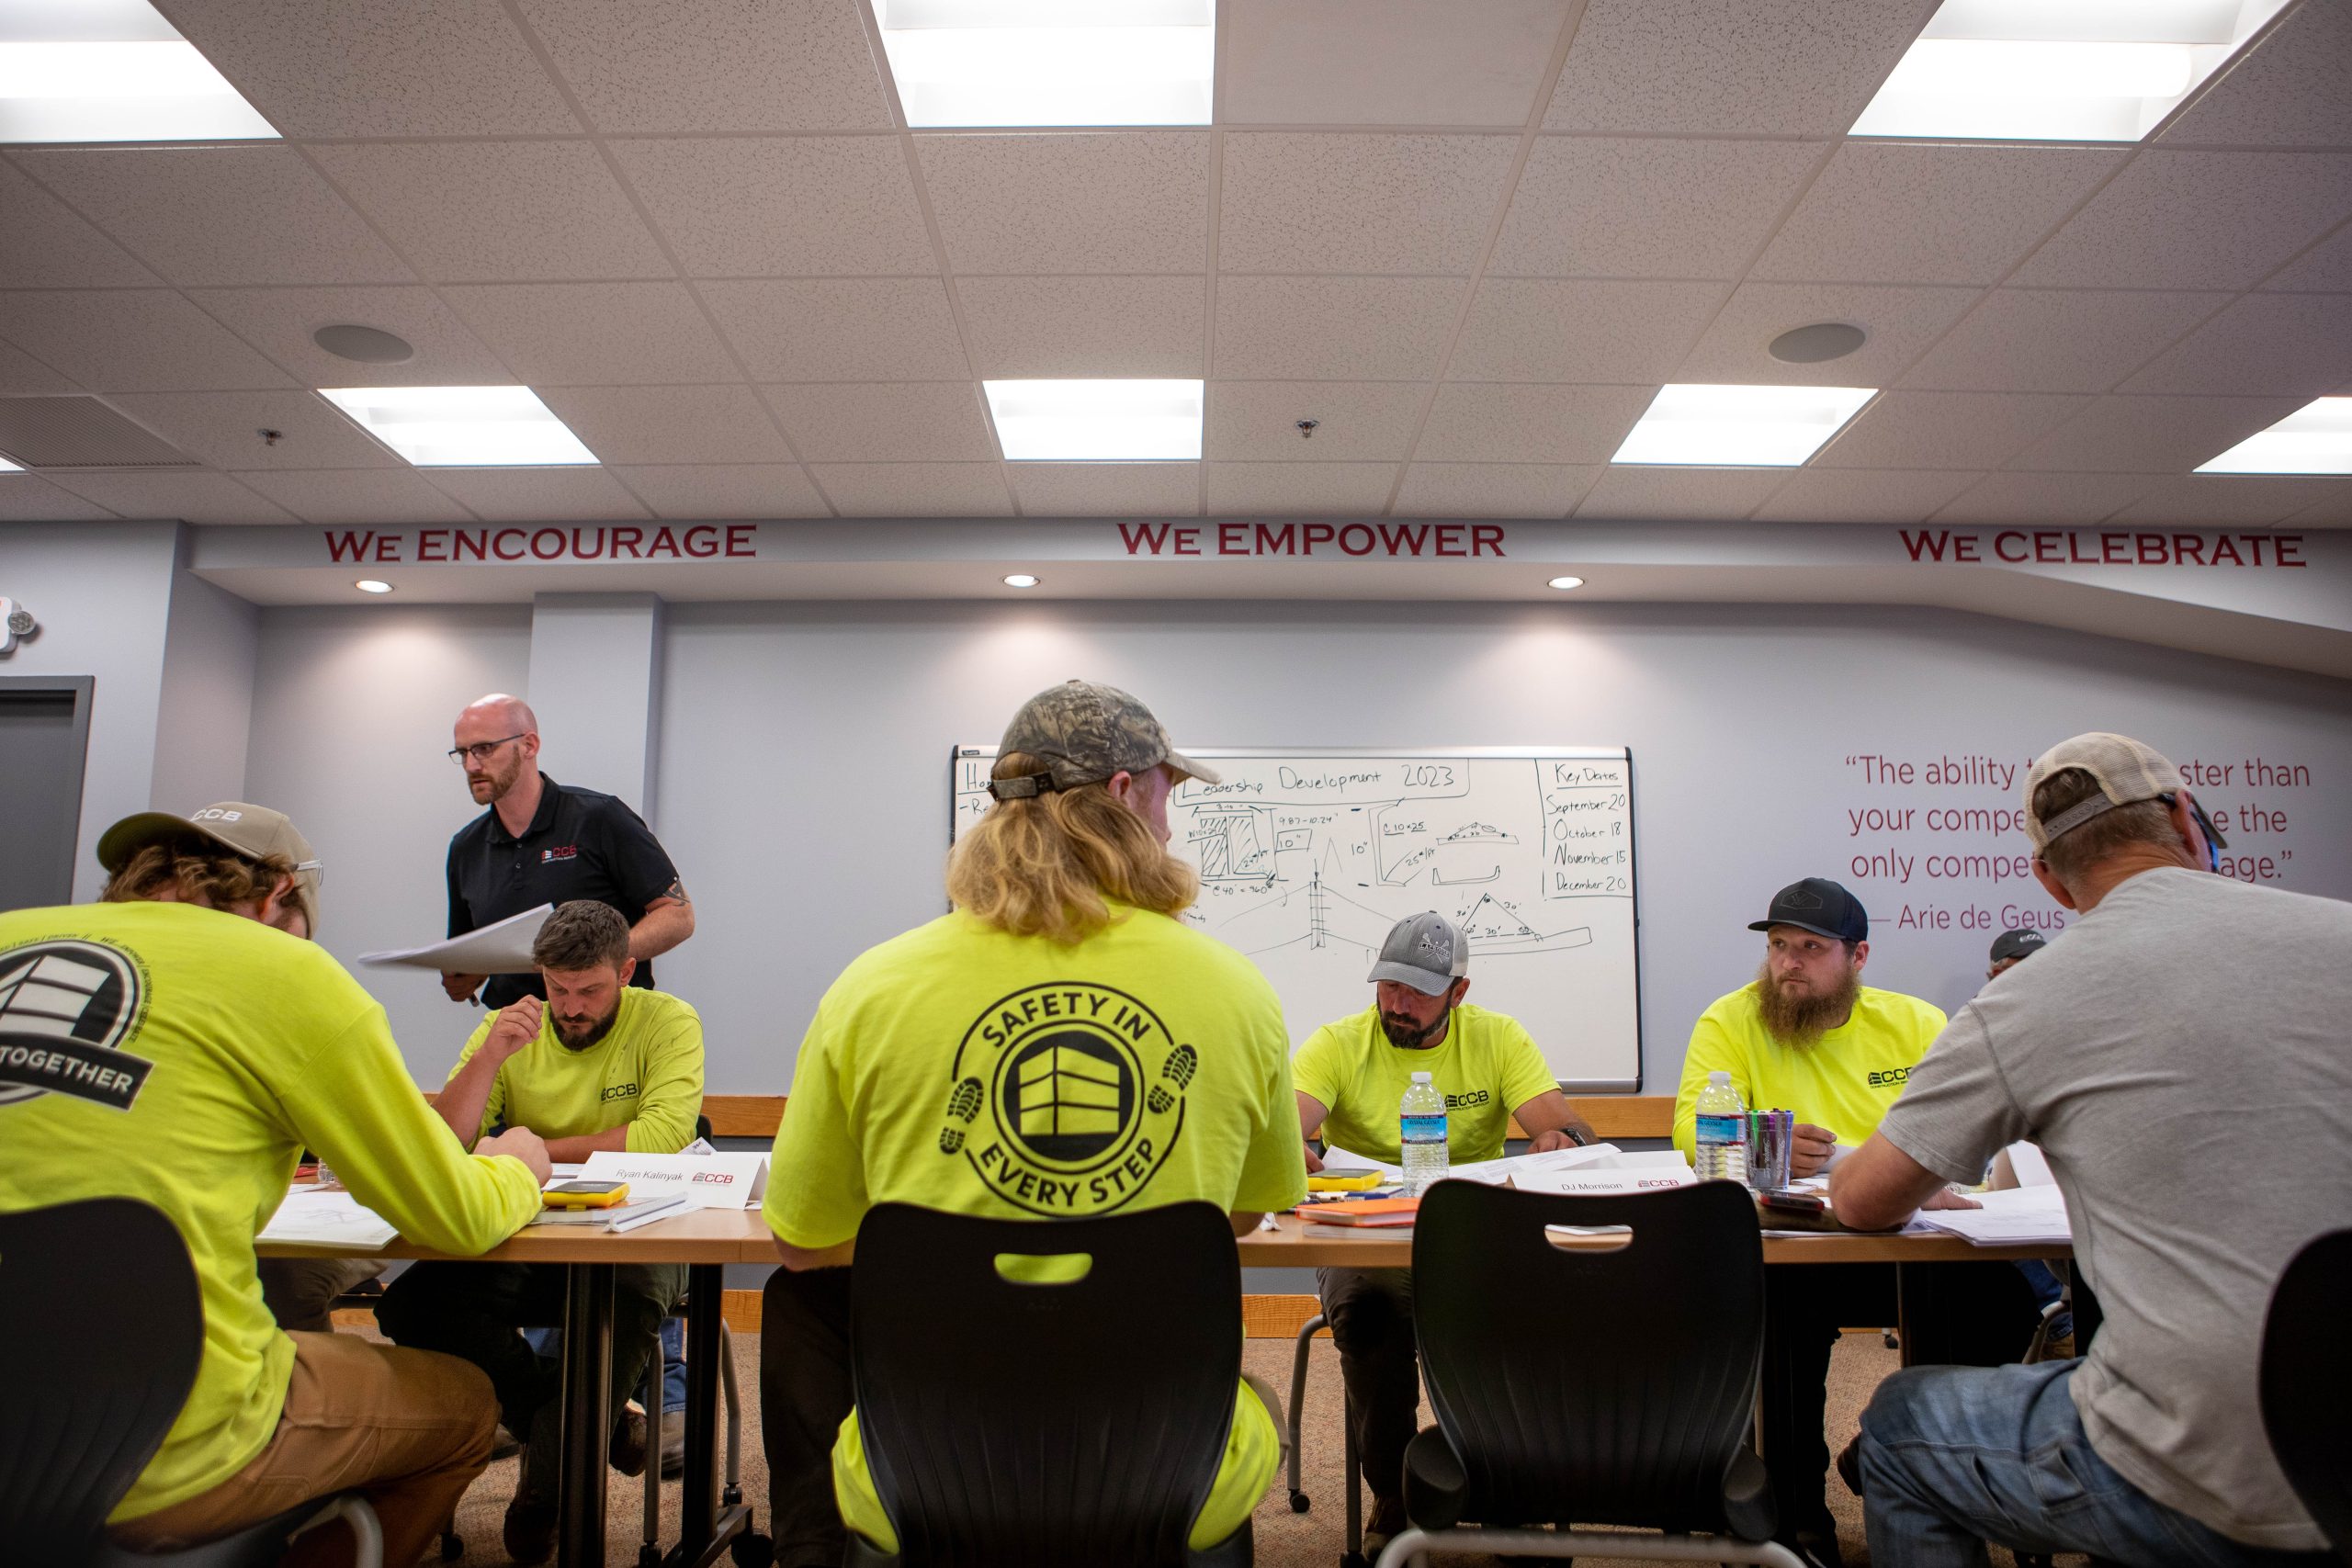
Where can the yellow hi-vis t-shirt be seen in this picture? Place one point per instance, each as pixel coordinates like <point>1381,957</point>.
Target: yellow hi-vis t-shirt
<point>1843,1081</point>
<point>645,1073</point>
<point>966,1069</point>
<point>185,1057</point>
<point>1487,1068</point>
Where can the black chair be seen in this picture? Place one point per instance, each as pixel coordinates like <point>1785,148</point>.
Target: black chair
<point>79,1424</point>
<point>2306,1381</point>
<point>1045,1425</point>
<point>1611,1382</point>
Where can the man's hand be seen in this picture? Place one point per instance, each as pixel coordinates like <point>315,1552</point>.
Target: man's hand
<point>1314,1160</point>
<point>1545,1142</point>
<point>518,1024</point>
<point>525,1145</point>
<point>1810,1149</point>
<point>461,987</point>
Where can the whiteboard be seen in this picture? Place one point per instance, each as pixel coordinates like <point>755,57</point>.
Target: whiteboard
<point>1306,858</point>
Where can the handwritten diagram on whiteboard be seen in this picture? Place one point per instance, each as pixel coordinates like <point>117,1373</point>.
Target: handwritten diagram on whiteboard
<point>1307,858</point>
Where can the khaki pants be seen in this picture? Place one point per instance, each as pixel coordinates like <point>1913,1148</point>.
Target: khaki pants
<point>409,1430</point>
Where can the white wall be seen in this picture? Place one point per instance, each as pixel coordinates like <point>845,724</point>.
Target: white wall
<point>204,720</point>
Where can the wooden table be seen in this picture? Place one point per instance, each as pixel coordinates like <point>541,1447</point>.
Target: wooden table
<point>1290,1248</point>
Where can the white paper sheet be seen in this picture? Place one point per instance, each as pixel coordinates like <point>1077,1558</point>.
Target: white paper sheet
<point>327,1219</point>
<point>503,948</point>
<point>2015,1216</point>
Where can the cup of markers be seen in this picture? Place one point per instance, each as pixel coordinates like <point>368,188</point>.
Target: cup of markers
<point>1772,1138</point>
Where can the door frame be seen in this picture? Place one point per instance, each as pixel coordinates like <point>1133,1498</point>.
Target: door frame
<point>83,691</point>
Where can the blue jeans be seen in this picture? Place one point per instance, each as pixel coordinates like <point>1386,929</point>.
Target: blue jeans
<point>548,1342</point>
<point>1955,1457</point>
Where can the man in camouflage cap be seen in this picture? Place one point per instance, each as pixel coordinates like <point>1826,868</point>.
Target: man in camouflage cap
<point>1086,732</point>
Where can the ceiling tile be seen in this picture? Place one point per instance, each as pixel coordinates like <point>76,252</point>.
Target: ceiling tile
<point>669,425</point>
<point>20,373</point>
<point>2290,344</point>
<point>45,245</point>
<point>539,495</point>
<point>1930,212</point>
<point>2334,513</point>
<point>189,497</point>
<point>498,211</point>
<point>221,215</point>
<point>1900,322</point>
<point>2152,435</point>
<point>1693,493</point>
<point>1489,423</point>
<point>916,489</point>
<point>2234,501</point>
<point>279,322</point>
<point>223,429</point>
<point>745,207</point>
<point>1532,329</point>
<point>2046,499</point>
<point>1371,419</point>
<point>595,333</point>
<point>28,498</point>
<point>637,65</point>
<point>1086,326</point>
<point>1946,430</point>
<point>1740,67</point>
<point>1086,201</point>
<point>1299,490</point>
<point>726,491</point>
<point>840,328</point>
<point>2326,266</point>
<point>2037,339</point>
<point>2196,221</point>
<point>1318,201</point>
<point>1491,490</point>
<point>1107,490</point>
<point>1385,62</point>
<point>1614,206</point>
<point>903,422</point>
<point>357,68</point>
<point>357,495</point>
<point>1861,495</point>
<point>1338,329</point>
<point>132,340</point>
<point>2295,90</point>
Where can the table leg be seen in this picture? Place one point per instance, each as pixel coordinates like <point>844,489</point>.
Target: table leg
<point>587,1413</point>
<point>705,1286</point>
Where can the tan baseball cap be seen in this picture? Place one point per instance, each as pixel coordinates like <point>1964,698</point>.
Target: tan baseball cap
<point>254,831</point>
<point>1086,732</point>
<point>2127,773</point>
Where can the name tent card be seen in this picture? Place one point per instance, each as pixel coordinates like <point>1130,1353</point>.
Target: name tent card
<point>704,1181</point>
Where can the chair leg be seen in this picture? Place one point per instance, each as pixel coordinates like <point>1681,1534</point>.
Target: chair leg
<point>367,1531</point>
<point>1352,1467</point>
<point>1298,1501</point>
<point>649,1395</point>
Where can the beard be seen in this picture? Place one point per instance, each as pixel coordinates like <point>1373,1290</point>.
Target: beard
<point>1800,1017</point>
<point>581,1035</point>
<point>499,781</point>
<point>1406,1035</point>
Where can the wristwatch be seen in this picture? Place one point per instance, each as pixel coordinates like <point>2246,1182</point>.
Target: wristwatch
<point>1579,1139</point>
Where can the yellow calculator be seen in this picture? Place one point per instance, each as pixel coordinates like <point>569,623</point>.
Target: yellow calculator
<point>585,1194</point>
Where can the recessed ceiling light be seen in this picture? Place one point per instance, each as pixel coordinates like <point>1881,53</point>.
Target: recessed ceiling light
<point>1021,580</point>
<point>1760,427</point>
<point>1566,583</point>
<point>997,63</point>
<point>2057,70</point>
<point>2314,439</point>
<point>112,71</point>
<point>1097,421</point>
<point>458,427</point>
<point>1814,344</point>
<point>372,585</point>
<point>367,346</point>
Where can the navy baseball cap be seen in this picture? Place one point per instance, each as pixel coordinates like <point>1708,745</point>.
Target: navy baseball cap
<point>2017,944</point>
<point>1819,905</point>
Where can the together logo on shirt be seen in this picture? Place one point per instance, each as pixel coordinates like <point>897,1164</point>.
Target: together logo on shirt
<point>67,1008</point>
<point>1066,1098</point>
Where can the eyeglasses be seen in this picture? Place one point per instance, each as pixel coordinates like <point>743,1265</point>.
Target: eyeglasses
<point>481,750</point>
<point>2214,842</point>
<point>317,868</point>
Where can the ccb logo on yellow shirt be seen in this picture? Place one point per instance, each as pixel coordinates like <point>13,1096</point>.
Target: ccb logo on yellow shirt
<point>1066,1098</point>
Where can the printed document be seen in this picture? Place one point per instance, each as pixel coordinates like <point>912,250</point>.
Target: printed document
<point>503,948</point>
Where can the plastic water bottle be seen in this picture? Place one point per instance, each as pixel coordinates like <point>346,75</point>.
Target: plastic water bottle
<point>1723,1132</point>
<point>1422,1113</point>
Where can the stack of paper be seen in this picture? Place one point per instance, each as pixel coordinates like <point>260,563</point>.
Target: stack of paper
<point>503,948</point>
<point>617,1217</point>
<point>2017,1217</point>
<point>327,1219</point>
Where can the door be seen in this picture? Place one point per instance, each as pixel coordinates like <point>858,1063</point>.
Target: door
<point>44,728</point>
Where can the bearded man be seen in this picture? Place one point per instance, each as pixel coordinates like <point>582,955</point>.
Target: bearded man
<point>1807,1036</point>
<point>599,1064</point>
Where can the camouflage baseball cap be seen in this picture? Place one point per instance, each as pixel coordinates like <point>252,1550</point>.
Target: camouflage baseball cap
<point>1086,732</point>
<point>254,831</point>
<point>2127,773</point>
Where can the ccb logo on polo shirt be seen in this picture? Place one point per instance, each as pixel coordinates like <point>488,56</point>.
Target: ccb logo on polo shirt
<point>65,1009</point>
<point>1066,1098</point>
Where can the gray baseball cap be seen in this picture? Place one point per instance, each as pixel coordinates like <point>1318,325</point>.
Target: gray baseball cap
<point>1424,952</point>
<point>1085,732</point>
<point>254,831</point>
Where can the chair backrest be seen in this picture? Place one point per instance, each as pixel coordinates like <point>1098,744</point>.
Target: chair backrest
<point>101,1329</point>
<point>1592,1386</point>
<point>2307,1382</point>
<point>1045,1424</point>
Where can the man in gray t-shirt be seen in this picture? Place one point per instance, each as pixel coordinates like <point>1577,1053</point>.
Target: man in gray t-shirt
<point>2181,1054</point>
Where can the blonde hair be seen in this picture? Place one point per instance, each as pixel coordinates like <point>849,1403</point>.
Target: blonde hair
<point>1050,864</point>
<point>199,871</point>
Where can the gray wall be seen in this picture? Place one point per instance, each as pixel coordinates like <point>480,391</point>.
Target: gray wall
<point>204,718</point>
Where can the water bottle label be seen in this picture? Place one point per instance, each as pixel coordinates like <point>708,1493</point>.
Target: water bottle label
<point>1424,1129</point>
<point>1722,1129</point>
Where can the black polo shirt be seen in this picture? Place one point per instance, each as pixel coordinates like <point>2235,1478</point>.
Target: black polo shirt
<point>579,845</point>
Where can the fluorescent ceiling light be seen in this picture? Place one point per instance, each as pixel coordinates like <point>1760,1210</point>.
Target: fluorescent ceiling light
<point>1000,63</point>
<point>2314,439</point>
<point>457,427</point>
<point>2057,70</point>
<point>112,71</point>
<point>1760,427</point>
<point>8,468</point>
<point>1097,421</point>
